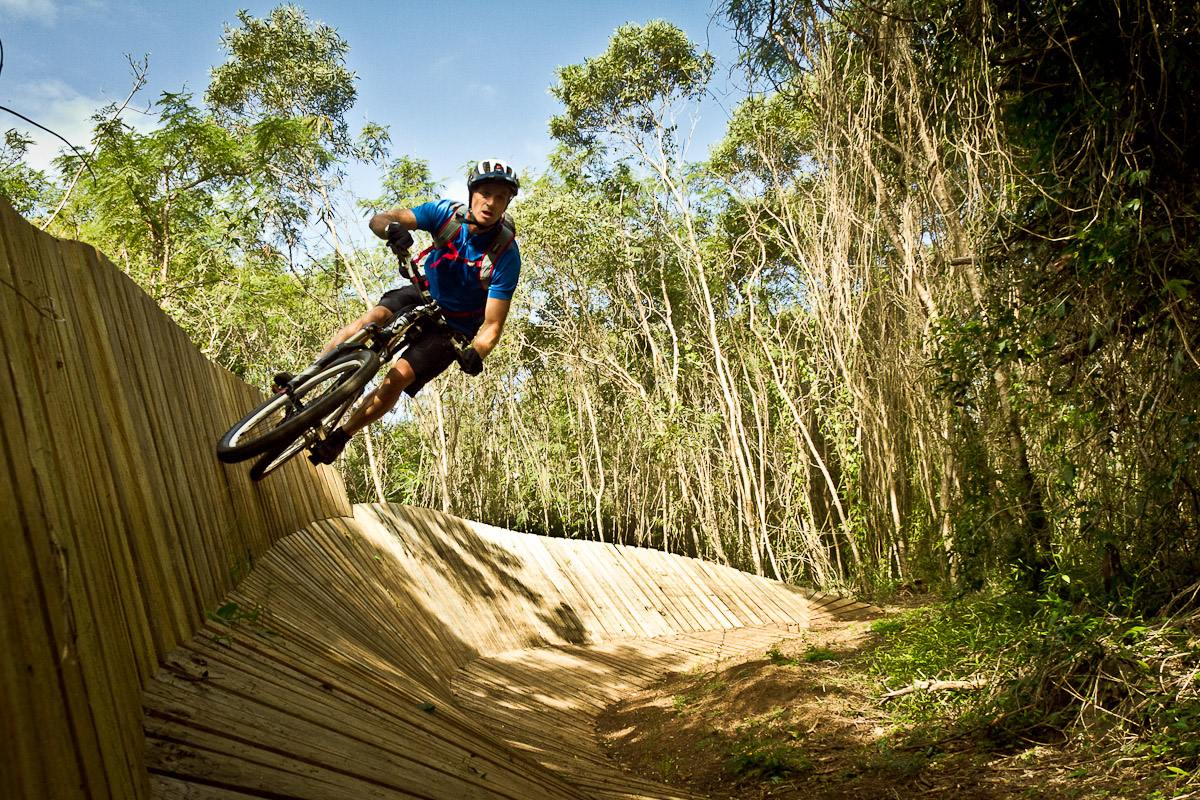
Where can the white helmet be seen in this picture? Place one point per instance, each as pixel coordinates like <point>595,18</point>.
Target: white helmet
<point>493,169</point>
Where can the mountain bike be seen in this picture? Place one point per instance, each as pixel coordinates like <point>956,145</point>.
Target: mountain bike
<point>309,406</point>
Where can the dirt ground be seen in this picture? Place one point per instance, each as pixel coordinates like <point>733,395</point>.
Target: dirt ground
<point>781,726</point>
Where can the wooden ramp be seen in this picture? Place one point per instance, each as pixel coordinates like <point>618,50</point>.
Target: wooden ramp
<point>405,653</point>
<point>171,629</point>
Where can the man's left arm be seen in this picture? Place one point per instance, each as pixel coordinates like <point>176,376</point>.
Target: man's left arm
<point>494,314</point>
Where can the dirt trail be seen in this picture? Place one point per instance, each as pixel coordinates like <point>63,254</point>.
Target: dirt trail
<point>808,724</point>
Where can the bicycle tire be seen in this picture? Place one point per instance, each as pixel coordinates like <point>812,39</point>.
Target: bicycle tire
<point>276,458</point>
<point>274,424</point>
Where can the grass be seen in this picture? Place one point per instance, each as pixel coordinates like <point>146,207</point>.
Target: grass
<point>762,759</point>
<point>1055,670</point>
<point>812,653</point>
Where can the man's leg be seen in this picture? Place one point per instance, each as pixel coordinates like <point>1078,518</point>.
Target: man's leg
<point>373,407</point>
<point>378,315</point>
<point>381,400</point>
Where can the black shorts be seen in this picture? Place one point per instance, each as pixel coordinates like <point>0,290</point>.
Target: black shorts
<point>432,352</point>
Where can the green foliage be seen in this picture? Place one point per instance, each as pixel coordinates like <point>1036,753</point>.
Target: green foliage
<point>815,653</point>
<point>1051,664</point>
<point>812,654</point>
<point>780,658</point>
<point>407,183</point>
<point>958,641</point>
<point>765,761</point>
<point>1091,264</point>
<point>231,613</point>
<point>285,67</point>
<point>646,68</point>
<point>209,209</point>
<point>26,189</point>
<point>763,30</point>
<point>769,139</point>
<point>155,197</point>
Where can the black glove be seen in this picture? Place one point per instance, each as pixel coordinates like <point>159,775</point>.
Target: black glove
<point>471,362</point>
<point>398,238</point>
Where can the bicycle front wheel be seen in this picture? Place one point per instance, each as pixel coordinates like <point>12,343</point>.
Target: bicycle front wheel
<point>274,459</point>
<point>284,417</point>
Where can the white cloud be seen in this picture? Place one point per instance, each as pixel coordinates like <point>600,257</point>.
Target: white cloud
<point>44,11</point>
<point>58,107</point>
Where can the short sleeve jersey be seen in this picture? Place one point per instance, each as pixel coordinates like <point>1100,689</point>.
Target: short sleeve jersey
<point>453,270</point>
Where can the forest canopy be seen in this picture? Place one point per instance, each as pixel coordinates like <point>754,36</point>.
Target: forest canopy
<point>928,310</point>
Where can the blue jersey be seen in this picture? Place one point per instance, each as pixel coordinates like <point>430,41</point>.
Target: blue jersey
<point>453,270</point>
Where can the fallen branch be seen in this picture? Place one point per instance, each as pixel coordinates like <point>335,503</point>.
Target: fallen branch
<point>935,686</point>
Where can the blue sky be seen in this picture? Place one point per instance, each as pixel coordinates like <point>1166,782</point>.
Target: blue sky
<point>455,80</point>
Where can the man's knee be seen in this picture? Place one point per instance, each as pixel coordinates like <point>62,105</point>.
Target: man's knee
<point>377,315</point>
<point>398,378</point>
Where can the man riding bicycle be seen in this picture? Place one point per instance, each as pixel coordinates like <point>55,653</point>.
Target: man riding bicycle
<point>472,276</point>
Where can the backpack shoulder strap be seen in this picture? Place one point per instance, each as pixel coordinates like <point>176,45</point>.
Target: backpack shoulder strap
<point>450,227</point>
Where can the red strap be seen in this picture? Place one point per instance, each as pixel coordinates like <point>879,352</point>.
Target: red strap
<point>451,255</point>
<point>457,314</point>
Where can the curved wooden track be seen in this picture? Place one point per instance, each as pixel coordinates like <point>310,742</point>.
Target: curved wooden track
<point>172,630</point>
<point>405,653</point>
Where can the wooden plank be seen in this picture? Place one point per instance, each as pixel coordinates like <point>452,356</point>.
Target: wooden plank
<point>115,647</point>
<point>728,589</point>
<point>564,554</point>
<point>322,698</point>
<point>630,594</point>
<point>573,619</point>
<point>35,628</point>
<point>160,561</point>
<point>38,739</point>
<point>136,584</point>
<point>638,564</point>
<point>683,608</point>
<point>384,755</point>
<point>420,600</point>
<point>165,787</point>
<point>646,567</point>
<point>31,353</point>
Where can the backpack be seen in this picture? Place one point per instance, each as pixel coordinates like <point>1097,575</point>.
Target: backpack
<point>502,241</point>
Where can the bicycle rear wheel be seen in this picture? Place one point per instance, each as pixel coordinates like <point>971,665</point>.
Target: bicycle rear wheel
<point>284,417</point>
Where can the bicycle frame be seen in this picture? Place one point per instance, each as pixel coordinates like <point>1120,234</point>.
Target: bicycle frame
<point>388,341</point>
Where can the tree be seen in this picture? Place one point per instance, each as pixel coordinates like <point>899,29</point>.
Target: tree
<point>283,67</point>
<point>407,183</point>
<point>285,82</point>
<point>631,90</point>
<point>24,187</point>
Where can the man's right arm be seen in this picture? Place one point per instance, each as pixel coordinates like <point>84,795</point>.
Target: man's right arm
<point>404,216</point>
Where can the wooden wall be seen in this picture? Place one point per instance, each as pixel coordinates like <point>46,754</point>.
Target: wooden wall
<point>119,530</point>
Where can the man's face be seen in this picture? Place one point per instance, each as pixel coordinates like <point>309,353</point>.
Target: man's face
<point>489,201</point>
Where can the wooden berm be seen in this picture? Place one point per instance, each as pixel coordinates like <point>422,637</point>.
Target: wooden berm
<point>171,629</point>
